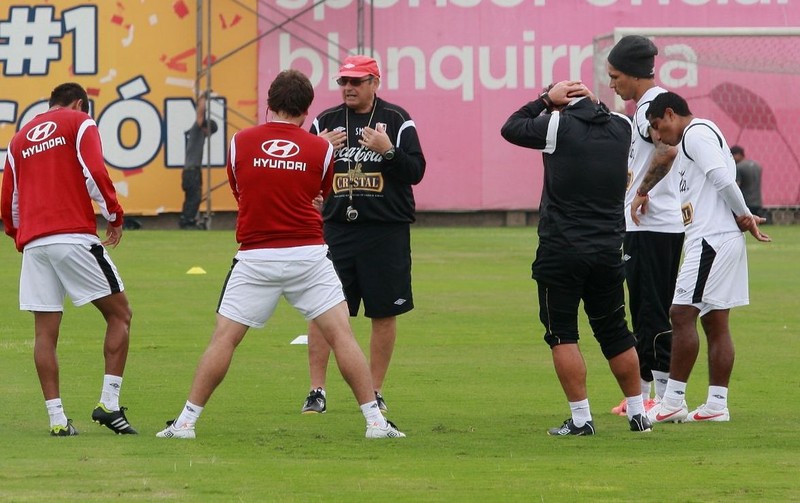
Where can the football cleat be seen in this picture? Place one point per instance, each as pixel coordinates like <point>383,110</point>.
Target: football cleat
<point>390,431</point>
<point>640,423</point>
<point>569,428</point>
<point>315,402</point>
<point>381,403</point>
<point>185,431</point>
<point>63,431</point>
<point>621,409</point>
<point>114,420</point>
<point>704,413</point>
<point>663,413</point>
<point>650,403</point>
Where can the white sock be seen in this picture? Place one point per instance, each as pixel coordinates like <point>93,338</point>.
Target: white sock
<point>580,412</point>
<point>373,414</point>
<point>190,414</point>
<point>56,411</point>
<point>675,393</point>
<point>717,398</point>
<point>660,381</point>
<point>635,405</point>
<point>109,396</point>
<point>645,387</point>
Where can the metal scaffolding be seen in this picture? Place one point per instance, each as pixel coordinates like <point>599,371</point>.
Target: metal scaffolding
<point>289,24</point>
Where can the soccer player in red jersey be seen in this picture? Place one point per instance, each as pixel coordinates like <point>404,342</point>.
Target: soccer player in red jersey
<point>276,171</point>
<point>53,171</point>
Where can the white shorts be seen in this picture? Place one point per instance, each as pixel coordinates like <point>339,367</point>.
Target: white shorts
<point>713,274</point>
<point>85,272</point>
<point>254,287</point>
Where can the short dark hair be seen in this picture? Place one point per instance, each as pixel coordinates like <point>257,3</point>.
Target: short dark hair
<point>212,126</point>
<point>290,93</point>
<point>668,100</point>
<point>67,93</point>
<point>736,149</point>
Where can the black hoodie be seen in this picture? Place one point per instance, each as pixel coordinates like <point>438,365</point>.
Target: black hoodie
<point>585,153</point>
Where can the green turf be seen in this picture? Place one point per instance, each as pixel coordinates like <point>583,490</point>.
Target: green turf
<point>471,384</point>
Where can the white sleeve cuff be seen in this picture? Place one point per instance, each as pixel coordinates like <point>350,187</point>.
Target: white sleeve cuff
<point>733,196</point>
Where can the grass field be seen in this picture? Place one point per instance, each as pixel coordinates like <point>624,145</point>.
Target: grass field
<point>471,384</point>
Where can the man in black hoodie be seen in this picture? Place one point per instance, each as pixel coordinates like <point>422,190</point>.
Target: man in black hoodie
<point>581,226</point>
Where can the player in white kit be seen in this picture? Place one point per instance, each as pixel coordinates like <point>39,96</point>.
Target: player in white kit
<point>713,275</point>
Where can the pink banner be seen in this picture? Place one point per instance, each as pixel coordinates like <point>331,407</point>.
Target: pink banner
<point>460,67</point>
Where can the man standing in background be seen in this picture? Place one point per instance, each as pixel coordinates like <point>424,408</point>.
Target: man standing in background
<point>748,176</point>
<point>652,248</point>
<point>192,175</point>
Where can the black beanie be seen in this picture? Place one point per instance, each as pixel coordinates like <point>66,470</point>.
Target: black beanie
<point>634,55</point>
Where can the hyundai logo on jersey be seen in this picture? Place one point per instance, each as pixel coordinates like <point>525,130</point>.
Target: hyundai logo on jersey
<point>41,136</point>
<point>42,132</point>
<point>281,149</point>
<point>277,152</point>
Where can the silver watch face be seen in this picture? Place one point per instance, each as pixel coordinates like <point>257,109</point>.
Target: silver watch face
<point>389,155</point>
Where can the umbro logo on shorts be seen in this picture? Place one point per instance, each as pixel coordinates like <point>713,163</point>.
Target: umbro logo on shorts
<point>399,302</point>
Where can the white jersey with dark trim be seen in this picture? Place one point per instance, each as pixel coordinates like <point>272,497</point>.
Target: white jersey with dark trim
<point>702,150</point>
<point>663,206</point>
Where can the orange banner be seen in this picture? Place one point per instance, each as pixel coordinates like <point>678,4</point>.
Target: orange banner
<point>138,61</point>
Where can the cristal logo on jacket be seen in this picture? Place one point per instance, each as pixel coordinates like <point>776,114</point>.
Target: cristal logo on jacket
<point>42,131</point>
<point>358,181</point>
<point>282,149</point>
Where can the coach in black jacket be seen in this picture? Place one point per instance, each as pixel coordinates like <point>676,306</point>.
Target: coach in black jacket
<point>581,226</point>
<point>377,160</point>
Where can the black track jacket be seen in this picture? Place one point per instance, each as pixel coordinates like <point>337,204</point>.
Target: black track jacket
<point>585,154</point>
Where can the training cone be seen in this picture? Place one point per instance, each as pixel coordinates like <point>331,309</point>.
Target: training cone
<point>196,270</point>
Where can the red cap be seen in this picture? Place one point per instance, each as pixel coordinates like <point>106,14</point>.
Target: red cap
<point>359,66</point>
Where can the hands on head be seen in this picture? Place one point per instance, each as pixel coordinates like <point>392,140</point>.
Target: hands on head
<point>565,91</point>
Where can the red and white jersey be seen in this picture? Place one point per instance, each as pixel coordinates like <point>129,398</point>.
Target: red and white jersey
<point>275,171</point>
<point>54,170</point>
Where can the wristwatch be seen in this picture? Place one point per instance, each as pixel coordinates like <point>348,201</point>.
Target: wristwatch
<point>548,102</point>
<point>389,154</point>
